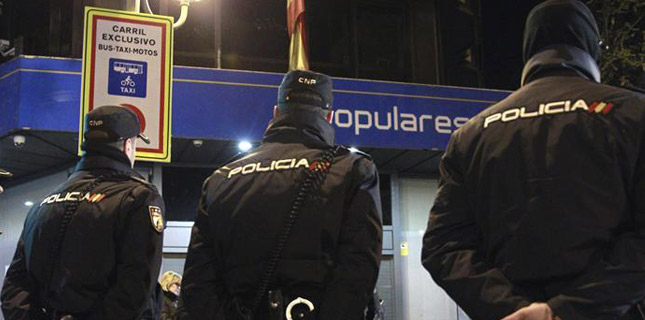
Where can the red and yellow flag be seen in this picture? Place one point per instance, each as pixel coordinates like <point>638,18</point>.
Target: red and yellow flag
<point>298,59</point>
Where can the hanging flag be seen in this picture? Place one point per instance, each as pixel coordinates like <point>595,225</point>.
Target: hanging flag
<point>298,59</point>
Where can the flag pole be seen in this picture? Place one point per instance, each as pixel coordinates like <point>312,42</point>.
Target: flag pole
<point>298,55</point>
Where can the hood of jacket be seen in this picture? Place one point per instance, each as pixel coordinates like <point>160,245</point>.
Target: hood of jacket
<point>561,22</point>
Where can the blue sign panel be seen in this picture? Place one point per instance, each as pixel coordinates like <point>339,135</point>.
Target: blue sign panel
<point>367,113</point>
<point>395,121</point>
<point>237,105</point>
<point>127,78</point>
<point>9,95</point>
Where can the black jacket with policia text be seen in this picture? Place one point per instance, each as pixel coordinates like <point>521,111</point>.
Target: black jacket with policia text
<point>542,198</point>
<point>110,254</point>
<point>332,255</point>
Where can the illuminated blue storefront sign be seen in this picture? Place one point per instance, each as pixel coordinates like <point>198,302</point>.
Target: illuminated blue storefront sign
<point>43,94</point>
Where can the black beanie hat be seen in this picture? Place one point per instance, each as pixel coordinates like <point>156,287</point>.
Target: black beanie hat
<point>556,22</point>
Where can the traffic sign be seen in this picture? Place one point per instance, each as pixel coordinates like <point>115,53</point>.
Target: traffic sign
<point>127,78</point>
<point>127,61</point>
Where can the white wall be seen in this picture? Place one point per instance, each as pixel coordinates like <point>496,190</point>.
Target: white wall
<point>173,262</point>
<point>422,297</point>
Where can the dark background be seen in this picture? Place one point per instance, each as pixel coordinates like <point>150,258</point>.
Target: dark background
<point>473,43</point>
<point>448,42</point>
<point>451,42</point>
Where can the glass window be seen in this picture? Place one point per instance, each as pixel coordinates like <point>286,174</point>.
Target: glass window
<point>386,198</point>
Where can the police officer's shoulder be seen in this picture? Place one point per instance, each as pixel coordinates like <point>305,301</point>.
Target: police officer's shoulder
<point>354,153</point>
<point>343,150</point>
<point>143,182</point>
<point>634,89</point>
<point>143,195</point>
<point>129,179</point>
<point>628,91</point>
<point>142,189</point>
<point>363,166</point>
<point>233,162</point>
<point>626,95</point>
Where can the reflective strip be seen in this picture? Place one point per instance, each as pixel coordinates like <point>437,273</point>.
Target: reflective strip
<point>600,107</point>
<point>608,108</point>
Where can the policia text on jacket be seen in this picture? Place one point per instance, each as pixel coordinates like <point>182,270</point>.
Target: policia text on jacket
<point>462,203</point>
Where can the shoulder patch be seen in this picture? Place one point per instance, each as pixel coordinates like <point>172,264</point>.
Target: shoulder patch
<point>156,218</point>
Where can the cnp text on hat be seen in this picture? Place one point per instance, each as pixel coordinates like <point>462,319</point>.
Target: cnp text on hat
<point>308,88</point>
<point>108,124</point>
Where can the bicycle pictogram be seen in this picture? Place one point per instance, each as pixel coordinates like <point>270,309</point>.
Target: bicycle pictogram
<point>128,82</point>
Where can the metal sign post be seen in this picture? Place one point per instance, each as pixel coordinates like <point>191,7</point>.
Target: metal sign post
<point>127,61</point>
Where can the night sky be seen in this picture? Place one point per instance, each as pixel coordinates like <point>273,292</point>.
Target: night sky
<point>502,25</point>
<point>502,32</point>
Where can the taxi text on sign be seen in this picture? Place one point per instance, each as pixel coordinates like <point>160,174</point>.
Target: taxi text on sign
<point>127,61</point>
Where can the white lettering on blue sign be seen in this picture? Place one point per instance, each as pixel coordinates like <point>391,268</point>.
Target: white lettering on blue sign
<point>362,120</point>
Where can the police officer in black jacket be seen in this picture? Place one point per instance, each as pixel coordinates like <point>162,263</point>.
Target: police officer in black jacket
<point>92,248</point>
<point>331,257</point>
<point>541,210</point>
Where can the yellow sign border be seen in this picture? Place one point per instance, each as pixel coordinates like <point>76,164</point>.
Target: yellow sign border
<point>88,33</point>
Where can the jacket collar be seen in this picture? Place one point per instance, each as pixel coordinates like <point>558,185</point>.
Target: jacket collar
<point>171,295</point>
<point>561,58</point>
<point>300,126</point>
<point>105,158</point>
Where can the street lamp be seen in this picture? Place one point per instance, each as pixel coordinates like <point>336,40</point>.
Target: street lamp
<point>184,12</point>
<point>183,15</point>
<point>245,146</point>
